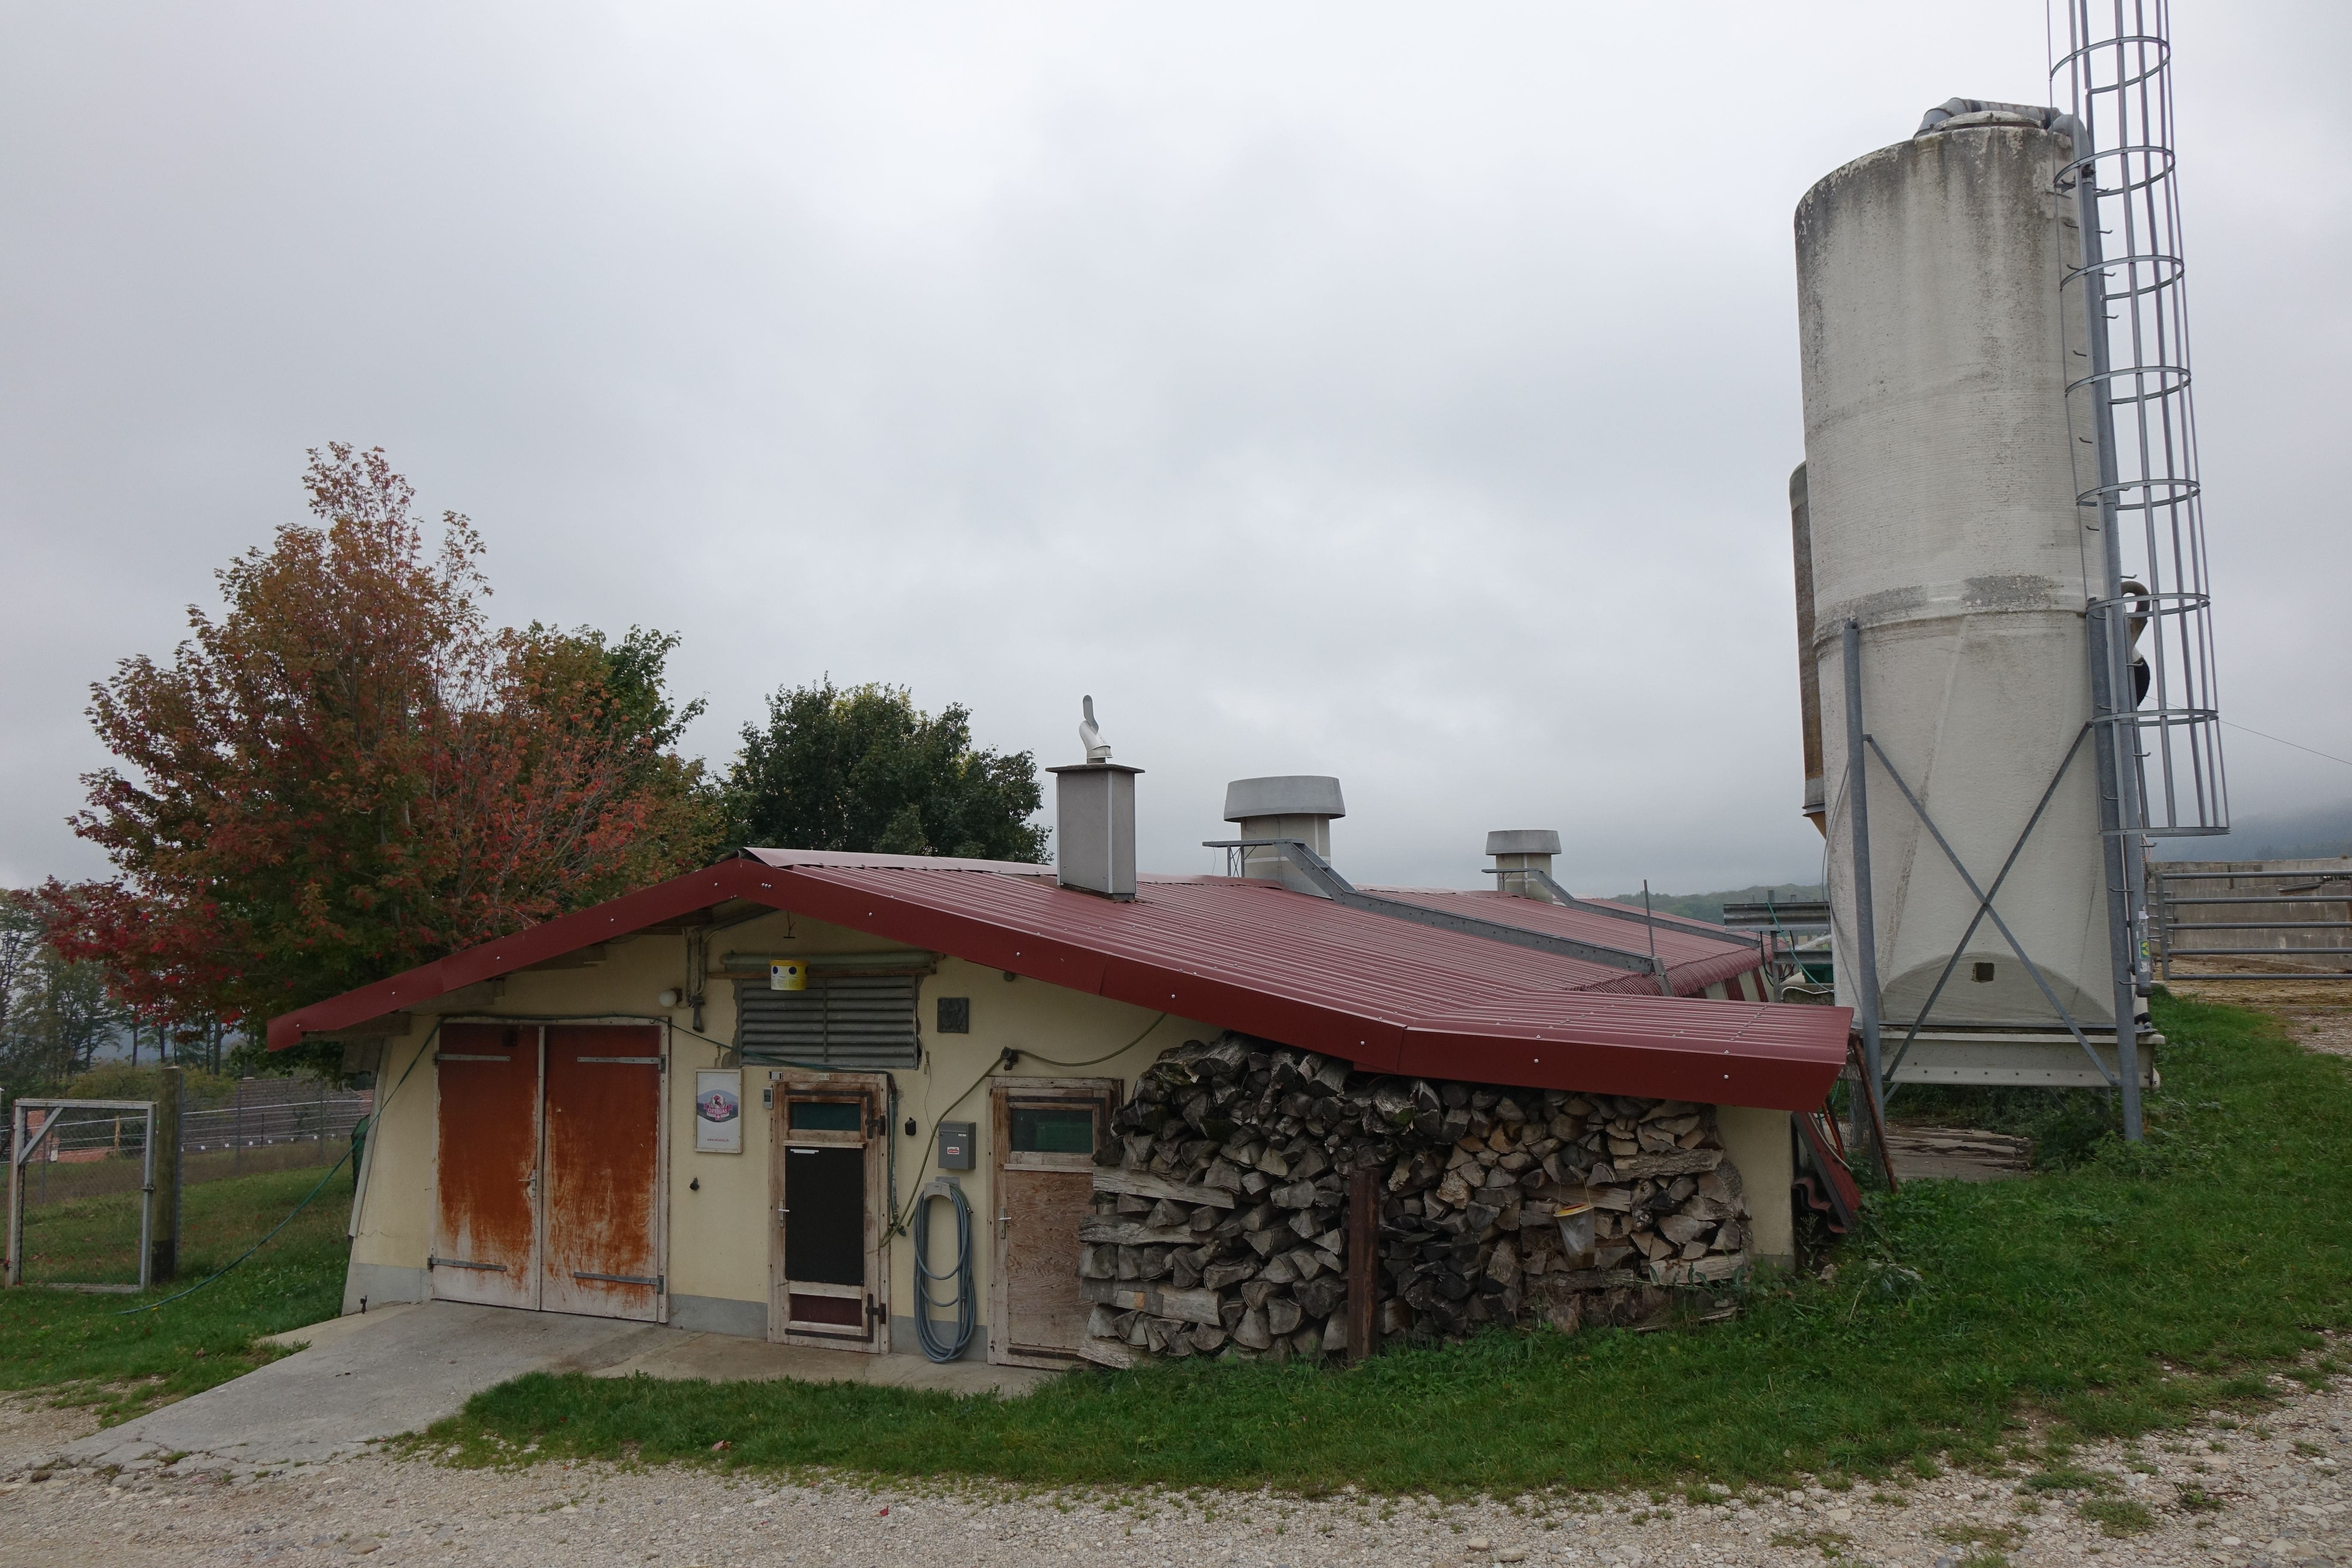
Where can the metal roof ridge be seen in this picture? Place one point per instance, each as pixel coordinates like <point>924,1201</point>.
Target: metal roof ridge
<point>856,860</point>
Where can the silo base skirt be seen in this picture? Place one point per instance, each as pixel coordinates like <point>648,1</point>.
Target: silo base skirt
<point>2027,1058</point>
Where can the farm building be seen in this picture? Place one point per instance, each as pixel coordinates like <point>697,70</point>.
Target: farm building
<point>717,1101</point>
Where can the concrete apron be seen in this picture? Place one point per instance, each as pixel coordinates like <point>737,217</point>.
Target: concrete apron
<point>401,1368</point>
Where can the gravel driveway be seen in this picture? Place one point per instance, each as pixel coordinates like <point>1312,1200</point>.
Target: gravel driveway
<point>2280,1501</point>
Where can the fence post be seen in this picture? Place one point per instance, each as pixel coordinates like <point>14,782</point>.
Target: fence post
<point>163,1207</point>
<point>236,1134</point>
<point>17,1132</point>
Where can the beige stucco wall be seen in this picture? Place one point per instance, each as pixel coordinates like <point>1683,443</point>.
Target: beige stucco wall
<point>1757,1143</point>
<point>392,1214</point>
<point>718,1218</point>
<point>718,1222</point>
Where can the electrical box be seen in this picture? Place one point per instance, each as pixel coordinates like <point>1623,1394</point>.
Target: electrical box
<point>955,1146</point>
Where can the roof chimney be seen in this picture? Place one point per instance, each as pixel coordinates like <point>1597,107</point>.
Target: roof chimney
<point>1518,851</point>
<point>1094,819</point>
<point>1292,805</point>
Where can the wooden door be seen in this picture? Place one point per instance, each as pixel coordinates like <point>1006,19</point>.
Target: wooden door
<point>1045,1135</point>
<point>602,1192</point>
<point>485,1211</point>
<point>828,1279</point>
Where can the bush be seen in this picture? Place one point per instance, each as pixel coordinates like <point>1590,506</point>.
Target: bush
<point>120,1080</point>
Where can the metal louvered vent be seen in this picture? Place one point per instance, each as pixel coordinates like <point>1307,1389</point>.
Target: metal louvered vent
<point>856,1022</point>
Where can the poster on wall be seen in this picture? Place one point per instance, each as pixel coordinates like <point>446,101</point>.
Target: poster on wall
<point>718,1111</point>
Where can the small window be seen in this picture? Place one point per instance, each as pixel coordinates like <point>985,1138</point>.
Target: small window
<point>827,1115</point>
<point>1053,1129</point>
<point>1983,973</point>
<point>955,1015</point>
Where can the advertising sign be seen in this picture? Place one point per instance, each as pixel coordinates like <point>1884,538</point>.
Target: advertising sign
<point>718,1111</point>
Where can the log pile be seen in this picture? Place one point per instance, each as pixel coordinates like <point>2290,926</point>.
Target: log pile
<point>1219,1218</point>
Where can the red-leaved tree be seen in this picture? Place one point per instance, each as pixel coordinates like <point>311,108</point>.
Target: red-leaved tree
<point>348,773</point>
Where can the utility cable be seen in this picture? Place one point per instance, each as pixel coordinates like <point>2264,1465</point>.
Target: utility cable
<point>1011,1053</point>
<point>281,1225</point>
<point>1106,1056</point>
<point>422,1052</point>
<point>898,1228</point>
<point>966,1304</point>
<point>2296,745</point>
<point>359,1178</point>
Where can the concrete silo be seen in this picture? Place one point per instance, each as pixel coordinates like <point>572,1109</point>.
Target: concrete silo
<point>1941,496</point>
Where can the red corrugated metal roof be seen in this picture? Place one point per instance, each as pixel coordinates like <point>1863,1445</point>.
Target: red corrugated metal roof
<point>1383,993</point>
<point>1694,962</point>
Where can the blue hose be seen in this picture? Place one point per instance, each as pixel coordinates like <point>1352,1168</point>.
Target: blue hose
<point>935,1345</point>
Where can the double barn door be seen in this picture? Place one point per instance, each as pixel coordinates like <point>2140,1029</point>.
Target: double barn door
<point>549,1168</point>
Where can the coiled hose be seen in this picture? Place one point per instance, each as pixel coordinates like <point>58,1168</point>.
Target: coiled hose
<point>935,1346</point>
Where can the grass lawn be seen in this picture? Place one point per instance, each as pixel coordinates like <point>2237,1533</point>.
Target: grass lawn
<point>2132,1289</point>
<point>81,1345</point>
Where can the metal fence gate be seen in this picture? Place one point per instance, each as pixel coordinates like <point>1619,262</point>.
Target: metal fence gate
<point>84,1175</point>
<point>2252,919</point>
<point>99,1149</point>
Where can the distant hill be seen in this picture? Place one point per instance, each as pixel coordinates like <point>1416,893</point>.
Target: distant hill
<point>1709,905</point>
<point>2271,836</point>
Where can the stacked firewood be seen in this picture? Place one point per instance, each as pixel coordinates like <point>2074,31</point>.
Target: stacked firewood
<point>1221,1211</point>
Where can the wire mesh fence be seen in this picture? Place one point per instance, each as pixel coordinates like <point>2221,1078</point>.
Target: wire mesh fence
<point>81,1183</point>
<point>270,1126</point>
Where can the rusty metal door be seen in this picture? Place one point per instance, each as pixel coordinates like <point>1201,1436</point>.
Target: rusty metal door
<point>485,1211</point>
<point>1045,1135</point>
<point>828,1279</point>
<point>602,1247</point>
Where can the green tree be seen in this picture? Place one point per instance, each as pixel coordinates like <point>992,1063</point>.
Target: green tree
<point>54,1014</point>
<point>864,769</point>
<point>348,772</point>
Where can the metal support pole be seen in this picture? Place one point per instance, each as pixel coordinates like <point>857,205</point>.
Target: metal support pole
<point>146,1199</point>
<point>1865,918</point>
<point>2108,634</point>
<point>163,1176</point>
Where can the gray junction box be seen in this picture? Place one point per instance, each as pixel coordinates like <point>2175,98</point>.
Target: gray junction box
<point>955,1146</point>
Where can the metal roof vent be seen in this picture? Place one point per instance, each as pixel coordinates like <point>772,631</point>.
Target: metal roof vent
<point>1524,851</point>
<point>1290,806</point>
<point>1094,819</point>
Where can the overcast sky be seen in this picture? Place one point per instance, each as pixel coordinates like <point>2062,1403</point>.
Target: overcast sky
<point>1406,392</point>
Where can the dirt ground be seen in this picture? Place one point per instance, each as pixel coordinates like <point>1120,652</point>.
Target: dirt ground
<point>2317,1013</point>
<point>2259,1494</point>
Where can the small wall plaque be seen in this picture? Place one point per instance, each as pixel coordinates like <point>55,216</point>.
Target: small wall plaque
<point>718,1111</point>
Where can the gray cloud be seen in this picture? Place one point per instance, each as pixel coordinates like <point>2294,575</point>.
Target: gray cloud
<point>1401,394</point>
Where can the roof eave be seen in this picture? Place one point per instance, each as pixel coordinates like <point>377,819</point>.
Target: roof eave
<point>730,879</point>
